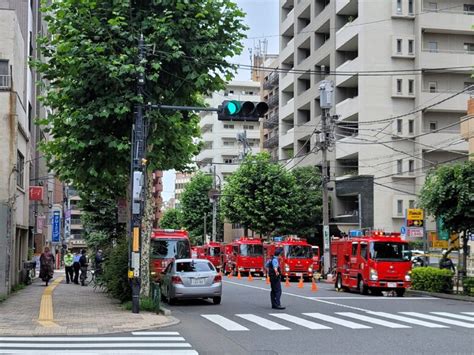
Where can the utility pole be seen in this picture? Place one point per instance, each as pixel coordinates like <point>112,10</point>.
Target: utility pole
<point>325,141</point>
<point>214,207</point>
<point>205,229</point>
<point>137,177</point>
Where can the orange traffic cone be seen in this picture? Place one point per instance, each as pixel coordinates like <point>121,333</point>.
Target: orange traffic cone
<point>239,276</point>
<point>229,275</point>
<point>250,276</point>
<point>300,283</point>
<point>314,287</point>
<point>287,282</point>
<point>268,280</point>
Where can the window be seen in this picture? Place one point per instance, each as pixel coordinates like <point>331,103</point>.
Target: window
<point>411,126</point>
<point>399,46</point>
<point>31,45</point>
<point>399,7</point>
<point>410,46</point>
<point>411,86</point>
<point>228,126</point>
<point>411,204</point>
<point>354,249</point>
<point>229,143</point>
<point>399,126</point>
<point>400,207</point>
<point>410,7</point>
<point>433,46</point>
<point>469,9</point>
<point>363,250</point>
<point>399,166</point>
<point>20,166</point>
<point>469,47</point>
<point>432,86</point>
<point>30,116</point>
<point>399,86</point>
<point>4,79</point>
<point>433,126</point>
<point>411,166</point>
<point>249,127</point>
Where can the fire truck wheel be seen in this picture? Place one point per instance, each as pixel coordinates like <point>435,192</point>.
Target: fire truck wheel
<point>216,300</point>
<point>338,282</point>
<point>400,292</point>
<point>376,292</point>
<point>362,287</point>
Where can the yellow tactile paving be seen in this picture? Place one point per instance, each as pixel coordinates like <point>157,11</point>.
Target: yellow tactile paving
<point>46,314</point>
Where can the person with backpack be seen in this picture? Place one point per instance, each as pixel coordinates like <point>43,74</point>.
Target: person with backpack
<point>274,272</point>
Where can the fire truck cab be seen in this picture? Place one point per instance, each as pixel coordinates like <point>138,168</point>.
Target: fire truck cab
<point>375,262</point>
<point>245,255</point>
<point>297,256</point>
<point>213,252</point>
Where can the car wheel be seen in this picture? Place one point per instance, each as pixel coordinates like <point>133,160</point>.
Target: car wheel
<point>162,296</point>
<point>362,287</point>
<point>169,299</point>
<point>216,300</point>
<point>400,292</point>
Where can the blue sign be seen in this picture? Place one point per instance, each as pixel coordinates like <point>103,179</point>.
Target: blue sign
<point>403,230</point>
<point>355,233</point>
<point>56,226</point>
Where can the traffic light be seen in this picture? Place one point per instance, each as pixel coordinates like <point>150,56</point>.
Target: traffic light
<point>232,110</point>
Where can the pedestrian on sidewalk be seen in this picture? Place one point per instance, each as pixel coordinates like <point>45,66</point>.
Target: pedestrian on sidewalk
<point>84,264</point>
<point>46,265</point>
<point>99,259</point>
<point>68,262</point>
<point>76,265</point>
<point>446,263</point>
<point>274,271</point>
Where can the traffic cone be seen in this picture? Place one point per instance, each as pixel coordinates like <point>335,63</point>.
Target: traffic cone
<point>314,287</point>
<point>268,280</point>
<point>250,276</point>
<point>287,282</point>
<point>239,276</point>
<point>300,283</point>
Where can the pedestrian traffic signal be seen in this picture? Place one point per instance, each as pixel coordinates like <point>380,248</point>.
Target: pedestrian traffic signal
<point>232,110</point>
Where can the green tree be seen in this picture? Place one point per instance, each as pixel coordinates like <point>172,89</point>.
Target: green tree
<point>448,193</point>
<point>195,205</point>
<point>307,212</point>
<point>171,219</point>
<point>260,195</point>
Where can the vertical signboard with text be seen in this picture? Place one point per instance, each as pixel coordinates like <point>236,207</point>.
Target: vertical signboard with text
<point>56,227</point>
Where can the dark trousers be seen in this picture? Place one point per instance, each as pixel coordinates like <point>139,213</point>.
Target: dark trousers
<point>275,294</point>
<point>76,267</point>
<point>69,274</point>
<point>83,275</point>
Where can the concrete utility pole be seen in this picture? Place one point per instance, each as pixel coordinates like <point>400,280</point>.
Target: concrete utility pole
<point>137,171</point>
<point>214,207</point>
<point>325,141</point>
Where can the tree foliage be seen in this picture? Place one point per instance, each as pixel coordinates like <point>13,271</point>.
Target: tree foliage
<point>171,219</point>
<point>195,204</point>
<point>260,195</point>
<point>448,193</point>
<point>90,73</point>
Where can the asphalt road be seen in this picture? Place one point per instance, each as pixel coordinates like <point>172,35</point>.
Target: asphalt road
<point>339,323</point>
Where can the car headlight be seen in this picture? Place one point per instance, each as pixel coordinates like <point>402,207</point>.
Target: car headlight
<point>287,268</point>
<point>408,276</point>
<point>310,269</point>
<point>373,276</point>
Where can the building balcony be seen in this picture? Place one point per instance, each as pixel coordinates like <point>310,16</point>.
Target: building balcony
<point>271,142</point>
<point>449,139</point>
<point>272,120</point>
<point>207,119</point>
<point>288,21</point>
<point>348,109</point>
<point>286,80</point>
<point>346,7</point>
<point>446,22</point>
<point>446,59</point>
<point>305,97</point>
<point>467,127</point>
<point>350,79</point>
<point>273,101</point>
<point>5,82</point>
<point>287,110</point>
<point>271,81</point>
<point>288,51</point>
<point>456,104</point>
<point>347,147</point>
<point>287,139</point>
<point>346,36</point>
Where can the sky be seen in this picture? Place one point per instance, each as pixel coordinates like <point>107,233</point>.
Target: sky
<point>262,18</point>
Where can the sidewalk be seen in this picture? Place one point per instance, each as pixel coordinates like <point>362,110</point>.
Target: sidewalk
<point>69,309</point>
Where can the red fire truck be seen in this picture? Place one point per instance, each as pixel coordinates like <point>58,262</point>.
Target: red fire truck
<point>167,245</point>
<point>213,252</point>
<point>376,262</point>
<point>244,255</point>
<point>297,257</point>
<point>316,258</point>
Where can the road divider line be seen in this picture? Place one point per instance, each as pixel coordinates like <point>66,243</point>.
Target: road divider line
<point>46,315</point>
<point>440,319</point>
<point>300,321</point>
<point>83,346</point>
<point>375,298</point>
<point>265,323</point>
<point>155,333</point>
<point>104,351</point>
<point>86,339</point>
<point>372,320</point>
<point>470,313</point>
<point>408,320</point>
<point>224,322</point>
<point>338,321</point>
<point>452,315</point>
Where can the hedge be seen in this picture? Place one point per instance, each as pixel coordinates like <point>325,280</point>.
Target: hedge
<point>432,279</point>
<point>468,286</point>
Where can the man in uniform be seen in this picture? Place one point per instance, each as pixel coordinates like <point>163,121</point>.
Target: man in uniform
<point>274,272</point>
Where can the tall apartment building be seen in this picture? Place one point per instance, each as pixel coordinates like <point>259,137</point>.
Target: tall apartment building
<point>74,230</point>
<point>181,180</point>
<point>22,222</point>
<point>423,51</point>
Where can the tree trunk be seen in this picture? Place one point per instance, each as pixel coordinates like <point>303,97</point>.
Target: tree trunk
<point>147,229</point>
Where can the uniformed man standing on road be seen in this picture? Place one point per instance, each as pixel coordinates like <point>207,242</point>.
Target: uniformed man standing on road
<point>274,272</point>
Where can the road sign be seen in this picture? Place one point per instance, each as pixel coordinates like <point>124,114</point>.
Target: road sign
<point>440,244</point>
<point>326,238</point>
<point>415,214</point>
<point>403,230</point>
<point>415,232</point>
<point>443,233</point>
<point>36,193</point>
<point>55,236</point>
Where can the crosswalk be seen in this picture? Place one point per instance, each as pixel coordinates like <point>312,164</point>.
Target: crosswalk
<point>351,320</point>
<point>149,342</point>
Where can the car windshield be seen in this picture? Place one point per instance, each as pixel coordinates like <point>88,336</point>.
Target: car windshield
<point>170,248</point>
<point>298,252</point>
<point>193,266</point>
<point>251,250</point>
<point>389,251</point>
<point>215,251</point>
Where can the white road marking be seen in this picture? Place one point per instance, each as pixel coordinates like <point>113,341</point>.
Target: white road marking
<point>102,351</point>
<point>408,320</point>
<point>300,321</point>
<point>440,319</point>
<point>225,323</point>
<point>452,315</point>
<point>339,321</point>
<point>372,320</point>
<point>155,333</point>
<point>95,346</point>
<point>375,298</point>
<point>263,322</point>
<point>87,339</point>
<point>470,313</point>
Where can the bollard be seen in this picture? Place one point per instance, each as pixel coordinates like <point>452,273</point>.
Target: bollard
<point>300,283</point>
<point>250,276</point>
<point>314,287</point>
<point>287,282</point>
<point>239,277</point>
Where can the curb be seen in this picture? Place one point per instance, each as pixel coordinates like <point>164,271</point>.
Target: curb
<point>165,311</point>
<point>442,295</point>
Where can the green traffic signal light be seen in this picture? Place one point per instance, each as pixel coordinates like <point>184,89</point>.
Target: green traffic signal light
<point>232,107</point>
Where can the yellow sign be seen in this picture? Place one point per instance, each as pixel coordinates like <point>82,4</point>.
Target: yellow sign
<point>136,236</point>
<point>440,244</point>
<point>130,274</point>
<point>415,214</point>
